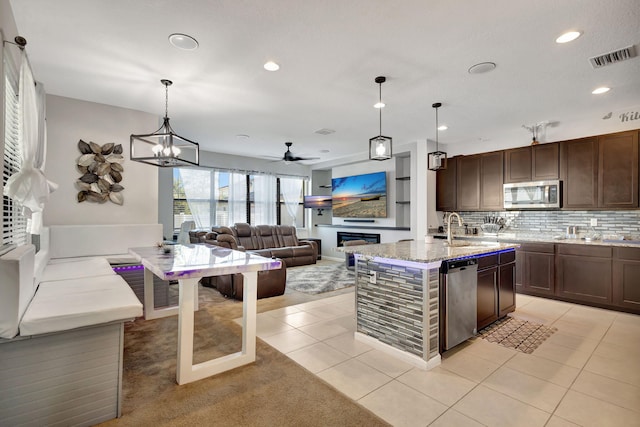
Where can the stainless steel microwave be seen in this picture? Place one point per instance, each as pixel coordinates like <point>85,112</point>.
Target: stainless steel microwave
<point>532,195</point>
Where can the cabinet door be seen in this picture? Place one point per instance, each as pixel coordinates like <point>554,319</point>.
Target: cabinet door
<point>584,278</point>
<point>579,167</point>
<point>468,195</point>
<point>626,284</point>
<point>517,165</point>
<point>520,266</point>
<point>506,289</point>
<point>491,179</point>
<point>618,170</point>
<point>539,273</point>
<point>545,161</point>
<point>626,278</point>
<point>487,297</point>
<point>446,189</point>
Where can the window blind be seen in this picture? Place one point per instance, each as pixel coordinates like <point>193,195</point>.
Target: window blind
<point>14,224</point>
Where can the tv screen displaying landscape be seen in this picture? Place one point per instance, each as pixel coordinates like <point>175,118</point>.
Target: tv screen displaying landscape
<point>360,196</point>
<point>317,202</point>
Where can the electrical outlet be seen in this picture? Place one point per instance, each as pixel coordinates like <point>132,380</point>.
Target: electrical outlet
<point>373,277</point>
<point>594,222</point>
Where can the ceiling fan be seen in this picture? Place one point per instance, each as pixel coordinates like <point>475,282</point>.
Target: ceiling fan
<point>290,157</point>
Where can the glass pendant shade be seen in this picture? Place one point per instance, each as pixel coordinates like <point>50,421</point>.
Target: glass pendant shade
<point>164,148</point>
<point>437,159</point>
<point>380,147</point>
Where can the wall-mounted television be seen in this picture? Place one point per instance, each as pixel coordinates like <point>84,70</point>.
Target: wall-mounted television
<point>360,196</point>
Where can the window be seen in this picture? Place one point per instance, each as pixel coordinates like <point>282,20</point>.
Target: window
<point>217,197</point>
<point>14,224</point>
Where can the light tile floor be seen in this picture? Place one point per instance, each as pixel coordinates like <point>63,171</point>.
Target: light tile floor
<point>586,374</point>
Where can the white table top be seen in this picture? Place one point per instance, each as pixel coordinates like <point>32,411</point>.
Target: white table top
<point>200,260</point>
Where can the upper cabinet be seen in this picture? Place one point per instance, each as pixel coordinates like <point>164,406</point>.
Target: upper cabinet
<point>468,195</point>
<point>491,179</point>
<point>532,163</point>
<point>600,172</point>
<point>446,187</point>
<point>618,170</point>
<point>579,168</point>
<point>479,182</point>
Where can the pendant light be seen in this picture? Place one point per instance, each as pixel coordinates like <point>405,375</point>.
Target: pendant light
<point>164,147</point>
<point>380,146</point>
<point>437,159</point>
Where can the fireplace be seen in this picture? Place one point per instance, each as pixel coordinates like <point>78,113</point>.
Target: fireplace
<point>346,236</point>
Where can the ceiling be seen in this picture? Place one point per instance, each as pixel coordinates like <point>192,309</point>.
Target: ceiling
<point>330,51</point>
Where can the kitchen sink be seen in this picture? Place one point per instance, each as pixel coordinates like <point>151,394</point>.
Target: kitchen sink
<point>472,244</point>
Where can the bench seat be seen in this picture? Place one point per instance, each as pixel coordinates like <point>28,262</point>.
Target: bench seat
<point>62,305</point>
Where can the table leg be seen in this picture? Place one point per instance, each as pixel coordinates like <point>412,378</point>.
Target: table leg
<point>150,311</point>
<point>186,371</point>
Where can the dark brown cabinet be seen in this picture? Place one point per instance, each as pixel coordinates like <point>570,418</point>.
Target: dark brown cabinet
<point>506,283</point>
<point>535,268</point>
<point>626,278</point>
<point>446,188</point>
<point>579,170</point>
<point>600,172</point>
<point>496,291</point>
<point>468,194</point>
<point>491,180</point>
<point>479,182</point>
<point>583,273</point>
<point>618,170</point>
<point>533,163</point>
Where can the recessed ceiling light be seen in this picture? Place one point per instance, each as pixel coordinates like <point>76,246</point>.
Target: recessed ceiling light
<point>569,36</point>
<point>271,66</point>
<point>324,151</point>
<point>600,90</point>
<point>242,136</point>
<point>379,105</point>
<point>183,41</point>
<point>482,67</point>
<point>443,127</point>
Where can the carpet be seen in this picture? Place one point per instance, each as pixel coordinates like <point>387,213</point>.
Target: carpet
<point>319,278</point>
<point>274,390</point>
<point>518,334</point>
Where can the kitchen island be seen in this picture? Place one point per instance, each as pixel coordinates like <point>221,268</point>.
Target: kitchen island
<point>398,295</point>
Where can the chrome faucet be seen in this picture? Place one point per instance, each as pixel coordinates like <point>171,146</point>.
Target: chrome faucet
<point>449,233</point>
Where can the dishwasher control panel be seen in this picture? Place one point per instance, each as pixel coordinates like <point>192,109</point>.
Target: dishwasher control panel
<point>457,263</point>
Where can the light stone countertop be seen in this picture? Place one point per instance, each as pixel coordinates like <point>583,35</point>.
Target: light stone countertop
<point>419,251</point>
<point>529,237</point>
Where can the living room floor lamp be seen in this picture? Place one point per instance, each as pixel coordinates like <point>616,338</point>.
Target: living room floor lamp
<point>380,146</point>
<point>437,159</point>
<point>164,147</point>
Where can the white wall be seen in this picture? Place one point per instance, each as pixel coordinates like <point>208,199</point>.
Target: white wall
<point>69,120</point>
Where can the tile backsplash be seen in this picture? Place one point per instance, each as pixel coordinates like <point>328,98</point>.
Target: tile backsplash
<point>625,222</point>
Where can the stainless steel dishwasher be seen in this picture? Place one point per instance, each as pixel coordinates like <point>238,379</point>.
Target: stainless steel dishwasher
<point>458,301</point>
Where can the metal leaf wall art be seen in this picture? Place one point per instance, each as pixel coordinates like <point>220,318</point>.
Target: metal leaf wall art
<point>101,169</point>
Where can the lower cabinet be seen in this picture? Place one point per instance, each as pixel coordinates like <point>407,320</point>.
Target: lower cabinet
<point>584,273</point>
<point>496,291</point>
<point>626,278</point>
<point>602,276</point>
<point>535,271</point>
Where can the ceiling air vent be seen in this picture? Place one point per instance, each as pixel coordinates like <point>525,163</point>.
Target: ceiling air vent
<point>325,131</point>
<point>613,57</point>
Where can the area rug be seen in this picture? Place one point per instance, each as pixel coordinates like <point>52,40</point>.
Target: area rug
<point>272,391</point>
<point>518,334</point>
<point>318,278</point>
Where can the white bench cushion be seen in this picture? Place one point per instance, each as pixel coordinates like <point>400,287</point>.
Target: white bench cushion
<point>16,287</point>
<point>77,269</point>
<point>70,304</point>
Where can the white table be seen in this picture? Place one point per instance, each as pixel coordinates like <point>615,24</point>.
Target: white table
<point>187,264</point>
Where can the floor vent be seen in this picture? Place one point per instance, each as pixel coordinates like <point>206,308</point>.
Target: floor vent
<point>612,57</point>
